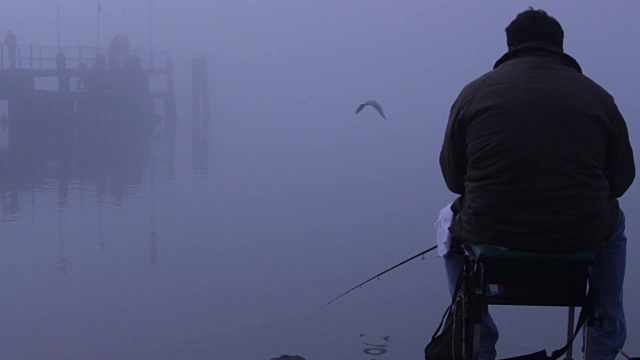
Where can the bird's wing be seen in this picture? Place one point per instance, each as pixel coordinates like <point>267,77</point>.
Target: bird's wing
<point>379,108</point>
<point>360,108</point>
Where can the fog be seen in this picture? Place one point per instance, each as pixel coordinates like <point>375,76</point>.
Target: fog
<point>300,198</point>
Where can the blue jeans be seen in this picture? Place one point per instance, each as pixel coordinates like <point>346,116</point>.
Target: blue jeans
<point>607,275</point>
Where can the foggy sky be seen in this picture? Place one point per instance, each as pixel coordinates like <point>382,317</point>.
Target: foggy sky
<point>287,76</point>
<point>327,56</point>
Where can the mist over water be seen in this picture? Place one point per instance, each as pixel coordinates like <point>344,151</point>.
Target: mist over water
<point>230,252</point>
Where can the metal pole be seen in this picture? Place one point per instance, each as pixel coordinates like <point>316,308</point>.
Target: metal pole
<point>98,39</point>
<point>150,25</point>
<point>571,321</point>
<point>58,23</point>
<point>150,35</point>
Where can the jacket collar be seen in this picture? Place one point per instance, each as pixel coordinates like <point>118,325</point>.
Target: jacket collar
<point>536,47</point>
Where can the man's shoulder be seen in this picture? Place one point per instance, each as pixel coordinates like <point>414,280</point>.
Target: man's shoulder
<point>597,88</point>
<point>475,85</point>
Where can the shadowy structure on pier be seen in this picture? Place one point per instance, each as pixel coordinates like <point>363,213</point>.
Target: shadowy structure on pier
<point>71,100</point>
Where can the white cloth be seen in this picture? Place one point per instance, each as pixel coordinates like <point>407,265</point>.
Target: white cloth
<point>443,237</point>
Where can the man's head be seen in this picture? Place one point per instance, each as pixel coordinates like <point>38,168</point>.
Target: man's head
<point>534,25</point>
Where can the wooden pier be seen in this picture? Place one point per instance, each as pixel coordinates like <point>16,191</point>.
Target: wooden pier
<point>67,99</point>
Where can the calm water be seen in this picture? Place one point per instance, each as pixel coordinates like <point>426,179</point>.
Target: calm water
<point>230,253</point>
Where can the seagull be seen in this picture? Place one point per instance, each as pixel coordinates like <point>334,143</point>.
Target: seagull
<point>375,106</point>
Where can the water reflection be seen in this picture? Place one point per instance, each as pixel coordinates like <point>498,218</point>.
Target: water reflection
<point>110,255</point>
<point>62,261</point>
<point>33,175</point>
<point>38,182</point>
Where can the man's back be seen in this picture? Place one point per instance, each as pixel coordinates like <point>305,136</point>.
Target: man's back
<point>539,152</point>
<point>539,155</point>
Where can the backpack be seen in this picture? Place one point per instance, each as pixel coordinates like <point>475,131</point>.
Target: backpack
<point>448,344</point>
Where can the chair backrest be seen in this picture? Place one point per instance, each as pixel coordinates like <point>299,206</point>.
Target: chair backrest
<point>510,277</point>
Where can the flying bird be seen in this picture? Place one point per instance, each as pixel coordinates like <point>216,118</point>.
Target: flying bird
<point>374,104</point>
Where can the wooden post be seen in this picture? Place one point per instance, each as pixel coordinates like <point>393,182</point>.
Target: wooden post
<point>201,113</point>
<point>196,97</point>
<point>64,84</point>
<point>170,114</point>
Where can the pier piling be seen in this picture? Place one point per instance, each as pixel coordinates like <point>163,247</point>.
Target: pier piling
<point>201,113</point>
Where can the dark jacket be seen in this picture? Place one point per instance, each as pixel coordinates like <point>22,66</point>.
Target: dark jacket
<point>539,154</point>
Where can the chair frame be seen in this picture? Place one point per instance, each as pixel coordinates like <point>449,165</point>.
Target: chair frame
<point>530,279</point>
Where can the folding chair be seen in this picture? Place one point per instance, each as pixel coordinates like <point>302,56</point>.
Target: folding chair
<point>499,276</point>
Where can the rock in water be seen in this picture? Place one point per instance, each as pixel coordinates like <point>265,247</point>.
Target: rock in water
<point>289,357</point>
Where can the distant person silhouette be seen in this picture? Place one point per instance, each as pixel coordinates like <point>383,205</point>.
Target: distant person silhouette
<point>124,45</point>
<point>114,58</point>
<point>118,51</point>
<point>11,42</point>
<point>123,49</point>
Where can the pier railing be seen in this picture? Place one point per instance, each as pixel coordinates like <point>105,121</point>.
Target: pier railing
<point>45,57</point>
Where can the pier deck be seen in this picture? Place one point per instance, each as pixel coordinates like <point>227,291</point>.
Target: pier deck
<point>83,95</point>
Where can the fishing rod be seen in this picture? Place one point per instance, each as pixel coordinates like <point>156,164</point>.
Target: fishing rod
<point>382,273</point>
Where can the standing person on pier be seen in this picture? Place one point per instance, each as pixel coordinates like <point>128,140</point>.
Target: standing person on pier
<point>115,60</point>
<point>11,42</point>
